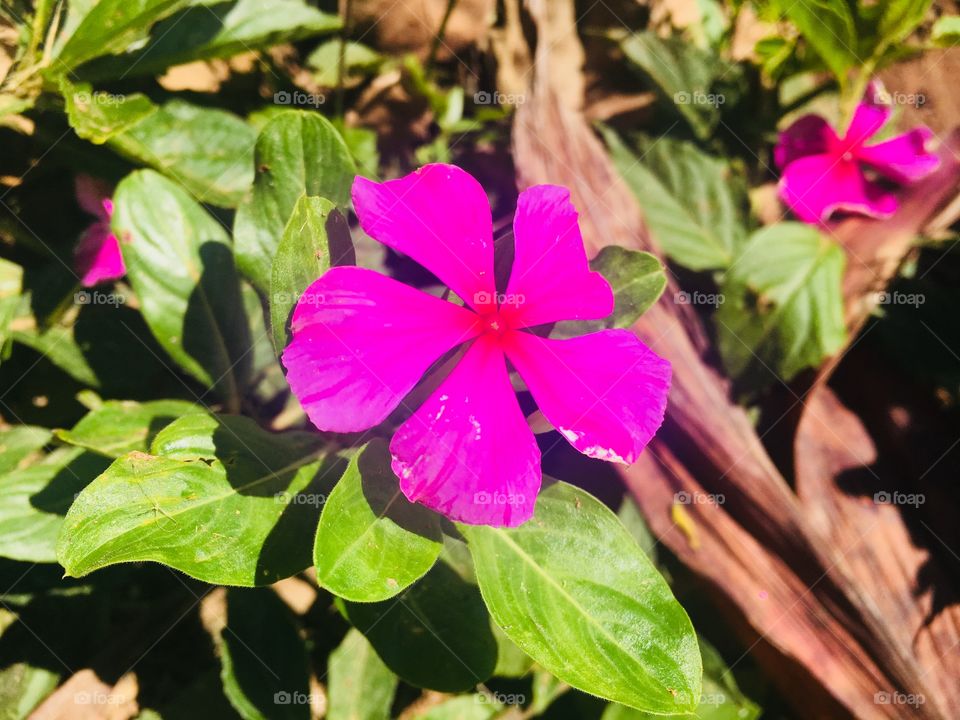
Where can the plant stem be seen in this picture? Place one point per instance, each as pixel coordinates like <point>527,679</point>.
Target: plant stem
<point>438,38</point>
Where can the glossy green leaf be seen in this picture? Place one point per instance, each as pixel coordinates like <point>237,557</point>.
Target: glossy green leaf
<point>219,499</point>
<point>97,116</point>
<point>829,27</point>
<point>637,279</point>
<point>34,499</point>
<point>303,255</point>
<point>692,202</point>
<point>179,262</point>
<point>571,588</point>
<point>372,543</point>
<point>783,305</point>
<point>206,150</point>
<point>264,664</point>
<point>118,427</point>
<point>297,153</point>
<point>720,699</point>
<point>360,686</point>
<point>695,81</point>
<point>209,30</point>
<point>436,634</point>
<point>109,27</point>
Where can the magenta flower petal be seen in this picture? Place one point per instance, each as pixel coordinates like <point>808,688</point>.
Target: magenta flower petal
<point>815,187</point>
<point>867,120</point>
<point>904,158</point>
<point>606,393</point>
<point>97,257</point>
<point>440,217</point>
<point>551,279</point>
<point>361,341</point>
<point>809,135</point>
<point>468,452</point>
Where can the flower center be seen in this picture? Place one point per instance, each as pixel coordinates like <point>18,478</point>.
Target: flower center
<point>494,322</point>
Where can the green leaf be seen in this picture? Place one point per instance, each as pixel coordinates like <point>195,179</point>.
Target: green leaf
<point>11,287</point>
<point>946,31</point>
<point>637,279</point>
<point>899,18</point>
<point>693,203</point>
<point>303,255</point>
<point>469,707</point>
<point>358,60</point>
<point>118,427</point>
<point>179,262</point>
<point>360,686</point>
<point>696,81</point>
<point>436,634</point>
<point>546,688</point>
<point>720,699</point>
<point>219,499</point>
<point>18,443</point>
<point>783,304</point>
<point>264,663</point>
<point>98,116</point>
<point>23,687</point>
<point>205,31</point>
<point>571,588</point>
<point>372,543</point>
<point>297,153</point>
<point>34,499</point>
<point>109,27</point>
<point>206,150</point>
<point>828,27</point>
<point>58,344</point>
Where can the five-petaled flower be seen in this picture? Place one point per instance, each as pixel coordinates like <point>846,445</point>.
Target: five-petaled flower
<point>362,341</point>
<point>824,173</point>
<point>97,257</point>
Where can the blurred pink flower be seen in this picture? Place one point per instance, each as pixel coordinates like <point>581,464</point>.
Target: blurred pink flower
<point>97,257</point>
<point>362,341</point>
<point>824,173</point>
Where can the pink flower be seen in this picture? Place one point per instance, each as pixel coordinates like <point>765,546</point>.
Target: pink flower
<point>362,341</point>
<point>97,256</point>
<point>824,173</point>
